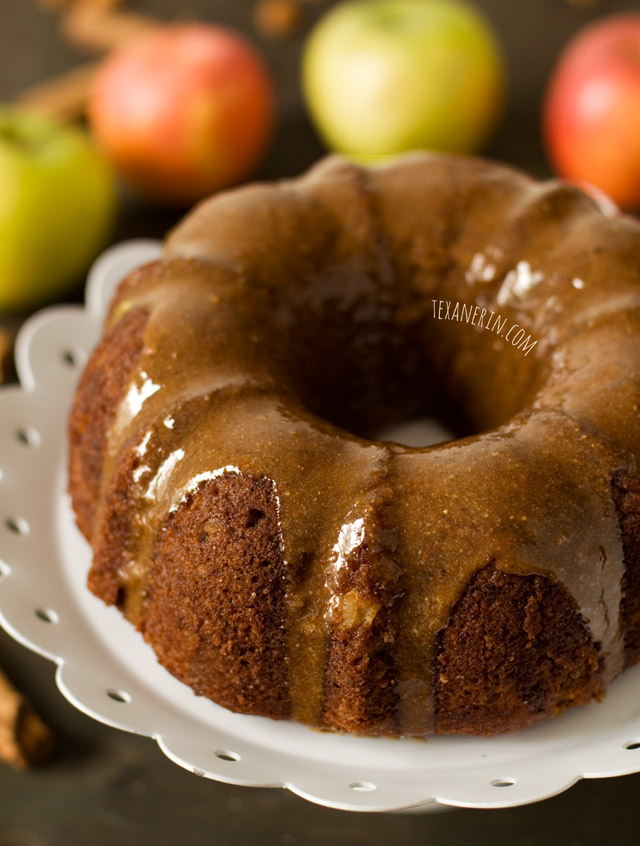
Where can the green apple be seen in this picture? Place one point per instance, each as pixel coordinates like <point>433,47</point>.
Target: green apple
<point>57,202</point>
<point>384,76</point>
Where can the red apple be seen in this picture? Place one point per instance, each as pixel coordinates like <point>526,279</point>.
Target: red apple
<point>184,110</point>
<point>591,119</point>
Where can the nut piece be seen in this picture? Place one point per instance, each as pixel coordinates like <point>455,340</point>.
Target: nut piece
<point>357,610</point>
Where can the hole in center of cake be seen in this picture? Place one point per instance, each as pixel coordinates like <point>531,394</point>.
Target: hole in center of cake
<point>410,386</point>
<point>423,432</point>
<point>369,368</point>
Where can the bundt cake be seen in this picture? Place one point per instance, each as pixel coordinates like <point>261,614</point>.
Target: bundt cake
<point>279,558</point>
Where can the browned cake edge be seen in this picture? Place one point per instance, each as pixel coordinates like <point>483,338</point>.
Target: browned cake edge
<point>214,612</point>
<point>626,497</point>
<point>97,398</point>
<point>515,651</point>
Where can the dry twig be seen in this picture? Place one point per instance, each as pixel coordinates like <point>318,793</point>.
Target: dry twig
<point>24,739</point>
<point>63,97</point>
<point>65,5</point>
<point>99,30</point>
<point>95,25</point>
<point>5,345</point>
<point>584,4</point>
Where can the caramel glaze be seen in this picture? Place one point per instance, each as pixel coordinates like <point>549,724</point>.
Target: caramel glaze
<point>284,319</point>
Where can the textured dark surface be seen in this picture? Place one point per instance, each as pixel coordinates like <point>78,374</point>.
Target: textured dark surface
<point>120,348</point>
<point>200,615</point>
<point>626,492</point>
<point>501,615</point>
<point>105,786</point>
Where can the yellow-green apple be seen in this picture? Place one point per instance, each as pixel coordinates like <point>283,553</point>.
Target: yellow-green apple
<point>57,200</point>
<point>184,110</point>
<point>384,76</point>
<point>591,116</point>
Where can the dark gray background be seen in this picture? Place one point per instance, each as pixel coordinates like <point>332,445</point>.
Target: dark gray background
<point>105,787</point>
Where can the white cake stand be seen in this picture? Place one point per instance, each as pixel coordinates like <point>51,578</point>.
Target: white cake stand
<point>106,670</point>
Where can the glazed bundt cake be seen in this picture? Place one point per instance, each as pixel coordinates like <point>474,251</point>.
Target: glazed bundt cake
<point>279,558</point>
